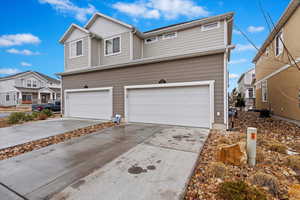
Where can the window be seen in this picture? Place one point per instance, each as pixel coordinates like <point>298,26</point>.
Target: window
<point>170,35</point>
<point>76,49</point>
<point>250,92</point>
<point>28,83</point>
<point>34,84</point>
<point>7,97</point>
<point>112,46</point>
<point>267,51</point>
<point>150,40</point>
<point>278,44</point>
<point>210,26</point>
<point>264,91</point>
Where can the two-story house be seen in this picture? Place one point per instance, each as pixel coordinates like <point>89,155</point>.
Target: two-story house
<point>28,87</point>
<point>277,75</point>
<point>171,75</point>
<point>246,88</point>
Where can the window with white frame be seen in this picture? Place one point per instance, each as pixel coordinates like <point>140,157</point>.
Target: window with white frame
<point>34,84</point>
<point>7,97</point>
<point>250,92</point>
<point>264,91</point>
<point>279,44</point>
<point>112,46</point>
<point>151,40</point>
<point>170,35</point>
<point>28,83</point>
<point>76,49</point>
<point>210,26</point>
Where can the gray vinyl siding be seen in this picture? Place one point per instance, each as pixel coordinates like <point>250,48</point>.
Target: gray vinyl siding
<point>184,70</point>
<point>137,47</point>
<point>192,39</point>
<point>122,57</point>
<point>78,62</point>
<point>95,51</point>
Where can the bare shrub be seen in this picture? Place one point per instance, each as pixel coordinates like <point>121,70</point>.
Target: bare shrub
<point>266,180</point>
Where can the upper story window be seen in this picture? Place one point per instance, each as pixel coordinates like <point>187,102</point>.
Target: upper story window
<point>7,97</point>
<point>112,46</point>
<point>210,26</point>
<point>250,92</point>
<point>28,83</point>
<point>279,44</point>
<point>170,35</point>
<point>76,49</point>
<point>151,40</point>
<point>264,91</point>
<point>34,84</point>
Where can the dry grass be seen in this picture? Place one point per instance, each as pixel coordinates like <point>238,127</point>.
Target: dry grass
<point>293,162</point>
<point>278,147</point>
<point>218,170</point>
<point>266,180</point>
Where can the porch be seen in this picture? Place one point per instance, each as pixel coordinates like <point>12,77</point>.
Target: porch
<point>27,96</point>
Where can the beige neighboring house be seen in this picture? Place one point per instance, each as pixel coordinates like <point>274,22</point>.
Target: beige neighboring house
<point>173,75</point>
<point>28,87</point>
<point>246,88</point>
<point>278,79</point>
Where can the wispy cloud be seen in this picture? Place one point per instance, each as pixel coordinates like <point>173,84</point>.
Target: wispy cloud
<point>233,76</point>
<point>236,32</point>
<point>168,9</point>
<point>244,47</point>
<point>26,64</point>
<point>8,71</point>
<point>66,7</point>
<point>239,61</point>
<point>18,39</point>
<point>25,52</point>
<point>255,29</point>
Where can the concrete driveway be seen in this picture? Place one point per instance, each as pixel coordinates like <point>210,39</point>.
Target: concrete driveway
<point>136,161</point>
<point>19,134</point>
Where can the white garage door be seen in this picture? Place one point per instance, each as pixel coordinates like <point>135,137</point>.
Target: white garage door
<point>93,104</point>
<point>186,106</point>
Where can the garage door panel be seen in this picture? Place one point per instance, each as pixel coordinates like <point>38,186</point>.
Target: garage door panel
<point>90,104</point>
<point>188,106</point>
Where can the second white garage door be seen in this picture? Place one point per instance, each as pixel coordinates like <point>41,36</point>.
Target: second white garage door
<point>186,106</point>
<point>89,103</point>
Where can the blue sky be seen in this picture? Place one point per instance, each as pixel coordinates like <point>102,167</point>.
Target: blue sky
<point>30,29</point>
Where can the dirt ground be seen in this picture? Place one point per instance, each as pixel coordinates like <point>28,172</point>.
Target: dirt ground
<point>277,140</point>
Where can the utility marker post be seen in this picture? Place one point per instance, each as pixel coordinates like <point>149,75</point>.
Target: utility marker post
<point>251,145</point>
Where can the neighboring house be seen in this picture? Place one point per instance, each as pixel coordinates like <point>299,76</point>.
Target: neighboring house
<point>171,75</point>
<point>246,88</point>
<point>277,77</point>
<point>28,87</point>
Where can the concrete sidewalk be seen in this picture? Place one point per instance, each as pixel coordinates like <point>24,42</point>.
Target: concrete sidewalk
<point>159,169</point>
<point>19,134</point>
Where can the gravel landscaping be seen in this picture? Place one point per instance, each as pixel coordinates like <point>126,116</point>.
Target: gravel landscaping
<point>275,177</point>
<point>37,144</point>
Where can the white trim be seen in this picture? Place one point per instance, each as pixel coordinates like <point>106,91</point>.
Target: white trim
<point>99,53</point>
<point>265,90</point>
<point>110,89</point>
<point>72,26</point>
<point>156,39</point>
<point>70,45</point>
<point>207,29</point>
<point>276,72</point>
<point>131,45</point>
<point>225,77</point>
<point>281,52</point>
<point>111,38</point>
<point>210,83</point>
<point>169,38</point>
<point>89,23</point>
<point>89,51</point>
<point>142,49</point>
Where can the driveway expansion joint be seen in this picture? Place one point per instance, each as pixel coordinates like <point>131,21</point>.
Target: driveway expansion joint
<point>13,191</point>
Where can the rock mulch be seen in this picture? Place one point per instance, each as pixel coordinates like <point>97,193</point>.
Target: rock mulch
<point>204,184</point>
<point>37,144</point>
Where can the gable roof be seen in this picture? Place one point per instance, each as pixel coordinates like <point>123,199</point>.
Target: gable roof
<point>70,30</point>
<point>44,76</point>
<point>289,11</point>
<point>97,14</point>
<point>173,27</point>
